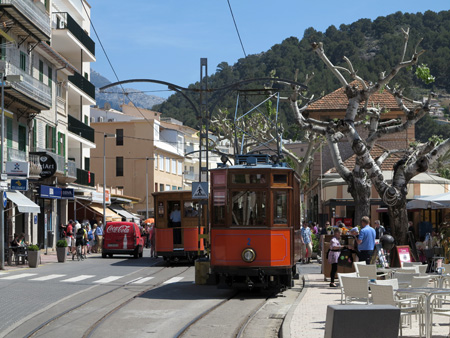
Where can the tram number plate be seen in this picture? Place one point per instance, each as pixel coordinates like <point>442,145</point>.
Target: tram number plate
<point>113,245</point>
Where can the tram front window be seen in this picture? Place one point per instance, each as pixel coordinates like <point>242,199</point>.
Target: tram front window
<point>280,212</point>
<point>249,208</point>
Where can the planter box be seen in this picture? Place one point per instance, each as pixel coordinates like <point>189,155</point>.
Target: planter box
<point>61,254</point>
<point>33,259</point>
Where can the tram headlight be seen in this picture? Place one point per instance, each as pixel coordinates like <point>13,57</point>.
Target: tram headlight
<point>248,255</point>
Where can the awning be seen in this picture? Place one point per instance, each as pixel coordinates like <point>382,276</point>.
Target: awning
<point>24,204</point>
<point>111,216</point>
<point>121,211</point>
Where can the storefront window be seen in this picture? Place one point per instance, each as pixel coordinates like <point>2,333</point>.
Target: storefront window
<point>249,208</point>
<point>280,207</point>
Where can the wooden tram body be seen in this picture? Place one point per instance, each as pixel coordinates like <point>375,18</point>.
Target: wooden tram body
<point>255,223</point>
<point>188,243</point>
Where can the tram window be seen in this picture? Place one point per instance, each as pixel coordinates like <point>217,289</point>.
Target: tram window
<point>280,179</point>
<point>248,178</point>
<point>280,207</point>
<point>249,208</point>
<point>190,209</point>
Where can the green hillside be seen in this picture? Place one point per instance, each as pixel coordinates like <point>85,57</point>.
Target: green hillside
<point>372,46</point>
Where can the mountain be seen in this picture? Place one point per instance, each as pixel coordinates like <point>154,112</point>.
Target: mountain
<point>372,46</point>
<point>115,97</point>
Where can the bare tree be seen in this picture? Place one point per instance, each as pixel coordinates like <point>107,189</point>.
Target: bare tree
<point>358,113</point>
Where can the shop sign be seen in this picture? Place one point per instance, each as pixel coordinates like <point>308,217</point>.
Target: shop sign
<point>97,197</point>
<point>48,165</point>
<point>18,169</point>
<point>67,193</point>
<point>46,191</point>
<point>21,185</point>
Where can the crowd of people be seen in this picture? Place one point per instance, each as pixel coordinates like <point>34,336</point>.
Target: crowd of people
<point>89,236</point>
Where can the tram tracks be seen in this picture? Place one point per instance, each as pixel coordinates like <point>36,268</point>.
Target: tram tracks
<point>213,318</point>
<point>92,328</point>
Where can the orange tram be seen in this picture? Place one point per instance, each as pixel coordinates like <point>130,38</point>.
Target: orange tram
<point>255,223</point>
<point>177,226</point>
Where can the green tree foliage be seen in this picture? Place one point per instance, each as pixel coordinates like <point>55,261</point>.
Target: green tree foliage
<point>373,46</point>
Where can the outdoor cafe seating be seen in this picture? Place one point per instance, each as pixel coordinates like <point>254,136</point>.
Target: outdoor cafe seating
<point>16,255</point>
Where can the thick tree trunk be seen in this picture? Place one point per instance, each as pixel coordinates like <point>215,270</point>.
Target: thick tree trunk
<point>398,218</point>
<point>360,191</point>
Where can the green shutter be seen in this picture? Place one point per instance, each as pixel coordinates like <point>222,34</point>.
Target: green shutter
<point>50,76</point>
<point>22,138</point>
<point>54,139</point>
<point>41,71</point>
<point>34,135</point>
<point>9,132</point>
<point>63,136</point>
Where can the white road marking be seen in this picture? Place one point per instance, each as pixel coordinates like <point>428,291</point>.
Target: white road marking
<point>78,278</point>
<point>23,275</point>
<point>142,280</point>
<point>107,279</point>
<point>173,280</point>
<point>43,278</point>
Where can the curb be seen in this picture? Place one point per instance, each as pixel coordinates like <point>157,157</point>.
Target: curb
<point>285,331</point>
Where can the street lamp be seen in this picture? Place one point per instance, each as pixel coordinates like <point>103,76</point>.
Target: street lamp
<point>146,187</point>
<point>105,135</point>
<point>9,78</point>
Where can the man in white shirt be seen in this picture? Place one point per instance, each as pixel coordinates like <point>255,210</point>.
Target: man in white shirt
<point>175,222</point>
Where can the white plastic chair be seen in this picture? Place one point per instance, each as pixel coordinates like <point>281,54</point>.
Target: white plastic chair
<point>340,274</point>
<point>404,278</point>
<point>410,269</point>
<point>422,269</point>
<point>409,264</point>
<point>393,282</point>
<point>355,289</point>
<point>384,295</point>
<point>420,281</point>
<point>357,264</point>
<point>369,271</point>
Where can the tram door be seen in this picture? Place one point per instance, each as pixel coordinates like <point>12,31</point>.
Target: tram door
<point>174,221</point>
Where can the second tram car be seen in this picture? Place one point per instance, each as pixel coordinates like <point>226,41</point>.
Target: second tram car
<point>255,223</point>
<point>177,226</point>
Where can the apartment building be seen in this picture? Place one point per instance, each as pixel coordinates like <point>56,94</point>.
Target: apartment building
<point>138,148</point>
<point>46,53</point>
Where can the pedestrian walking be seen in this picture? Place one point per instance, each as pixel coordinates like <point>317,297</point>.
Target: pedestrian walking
<point>306,243</point>
<point>99,236</point>
<point>333,255</point>
<point>69,237</point>
<point>90,236</point>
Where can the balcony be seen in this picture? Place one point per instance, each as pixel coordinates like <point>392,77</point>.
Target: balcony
<point>79,128</point>
<point>28,17</point>
<point>191,176</point>
<point>83,84</point>
<point>71,169</point>
<point>85,177</point>
<point>30,92</point>
<point>63,21</point>
<point>61,105</point>
<point>16,155</point>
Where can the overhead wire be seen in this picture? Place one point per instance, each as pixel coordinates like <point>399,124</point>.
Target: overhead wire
<point>237,30</point>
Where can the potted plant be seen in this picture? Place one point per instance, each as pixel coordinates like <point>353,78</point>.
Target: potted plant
<point>61,250</point>
<point>33,255</point>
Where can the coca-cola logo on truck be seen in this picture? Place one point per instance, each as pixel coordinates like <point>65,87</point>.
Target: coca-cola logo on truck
<point>119,229</point>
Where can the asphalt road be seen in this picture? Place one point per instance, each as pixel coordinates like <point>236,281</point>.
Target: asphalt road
<point>141,297</point>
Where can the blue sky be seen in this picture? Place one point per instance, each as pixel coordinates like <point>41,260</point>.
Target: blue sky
<point>165,39</point>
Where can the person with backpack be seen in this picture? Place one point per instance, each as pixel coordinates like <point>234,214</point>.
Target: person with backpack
<point>79,242</point>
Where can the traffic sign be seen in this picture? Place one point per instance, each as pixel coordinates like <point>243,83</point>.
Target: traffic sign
<point>199,190</point>
<point>5,199</point>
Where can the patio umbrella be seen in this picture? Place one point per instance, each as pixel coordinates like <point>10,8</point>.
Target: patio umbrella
<point>441,201</point>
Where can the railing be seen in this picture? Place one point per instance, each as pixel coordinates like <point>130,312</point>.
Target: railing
<point>79,128</point>
<point>85,177</point>
<point>191,176</point>
<point>60,160</point>
<point>63,20</point>
<point>35,165</point>
<point>32,12</point>
<point>16,155</point>
<point>83,84</point>
<point>71,169</point>
<point>30,86</point>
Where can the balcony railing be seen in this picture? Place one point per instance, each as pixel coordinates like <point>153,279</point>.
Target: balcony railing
<point>191,176</point>
<point>36,16</point>
<point>61,105</point>
<point>83,84</point>
<point>16,155</point>
<point>85,177</point>
<point>79,128</point>
<point>60,161</point>
<point>35,165</point>
<point>30,86</point>
<point>63,20</point>
<point>71,169</point>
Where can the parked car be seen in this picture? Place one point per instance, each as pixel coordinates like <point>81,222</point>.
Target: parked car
<point>123,238</point>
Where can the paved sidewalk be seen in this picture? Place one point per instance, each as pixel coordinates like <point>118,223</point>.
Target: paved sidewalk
<point>48,258</point>
<point>309,316</point>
